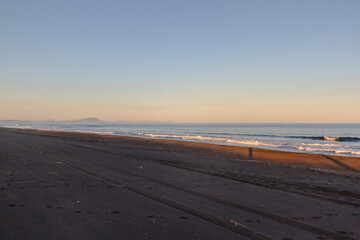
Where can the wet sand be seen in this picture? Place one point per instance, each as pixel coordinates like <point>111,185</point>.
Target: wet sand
<point>59,185</point>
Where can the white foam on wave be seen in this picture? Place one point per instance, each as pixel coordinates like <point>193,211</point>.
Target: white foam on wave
<point>254,143</point>
<point>325,150</point>
<point>212,139</point>
<point>347,152</point>
<point>159,135</point>
<point>95,132</point>
<point>332,139</point>
<point>320,144</point>
<point>18,127</point>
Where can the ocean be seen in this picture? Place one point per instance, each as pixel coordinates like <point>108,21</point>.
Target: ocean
<point>331,139</point>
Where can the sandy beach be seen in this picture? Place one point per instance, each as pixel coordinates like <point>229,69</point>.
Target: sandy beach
<point>62,185</point>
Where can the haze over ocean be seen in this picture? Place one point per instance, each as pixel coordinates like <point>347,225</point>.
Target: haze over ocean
<point>183,61</point>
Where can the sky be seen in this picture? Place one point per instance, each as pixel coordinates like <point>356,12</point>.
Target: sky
<point>218,61</point>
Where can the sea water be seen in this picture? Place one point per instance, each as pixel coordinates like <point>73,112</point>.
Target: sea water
<point>333,139</point>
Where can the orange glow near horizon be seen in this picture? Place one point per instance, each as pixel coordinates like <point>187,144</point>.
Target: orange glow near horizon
<point>252,112</point>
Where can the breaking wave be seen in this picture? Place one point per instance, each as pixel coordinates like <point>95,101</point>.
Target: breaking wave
<point>321,138</point>
<point>331,139</point>
<point>343,152</point>
<point>19,127</point>
<point>214,139</point>
<point>95,132</point>
<point>324,138</point>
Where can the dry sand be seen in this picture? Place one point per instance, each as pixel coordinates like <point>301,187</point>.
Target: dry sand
<point>58,185</point>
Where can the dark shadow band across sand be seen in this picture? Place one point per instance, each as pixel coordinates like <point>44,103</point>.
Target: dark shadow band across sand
<point>62,185</point>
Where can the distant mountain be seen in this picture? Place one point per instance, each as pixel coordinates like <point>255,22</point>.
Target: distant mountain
<point>87,120</point>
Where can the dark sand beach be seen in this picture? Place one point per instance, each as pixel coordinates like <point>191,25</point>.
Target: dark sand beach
<point>61,185</point>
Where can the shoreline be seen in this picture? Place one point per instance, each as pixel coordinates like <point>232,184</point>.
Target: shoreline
<point>310,160</point>
<point>329,145</point>
<point>64,185</point>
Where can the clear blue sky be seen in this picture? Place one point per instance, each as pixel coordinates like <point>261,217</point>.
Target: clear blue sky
<point>184,61</point>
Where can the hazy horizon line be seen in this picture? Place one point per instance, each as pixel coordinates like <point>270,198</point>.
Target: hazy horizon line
<point>169,121</point>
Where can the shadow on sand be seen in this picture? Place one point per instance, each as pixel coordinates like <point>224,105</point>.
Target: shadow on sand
<point>341,164</point>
